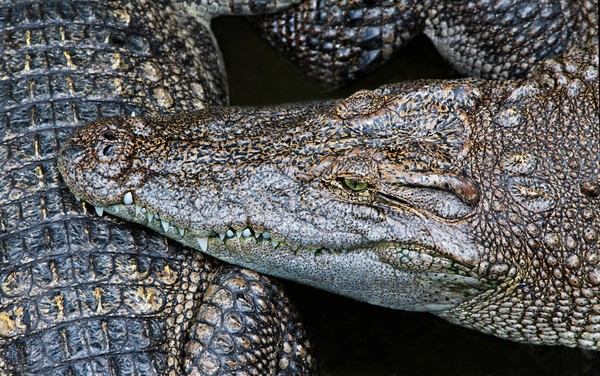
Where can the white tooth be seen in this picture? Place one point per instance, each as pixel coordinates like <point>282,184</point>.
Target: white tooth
<point>133,113</point>
<point>128,198</point>
<point>229,234</point>
<point>256,234</point>
<point>246,233</point>
<point>99,210</point>
<point>274,243</point>
<point>266,235</point>
<point>150,217</point>
<point>203,243</point>
<point>137,210</point>
<point>77,199</point>
<point>222,235</point>
<point>143,211</point>
<point>181,231</point>
<point>165,225</point>
<point>156,216</point>
<point>238,233</point>
<point>116,208</point>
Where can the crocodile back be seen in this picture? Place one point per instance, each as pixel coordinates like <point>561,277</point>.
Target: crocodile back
<point>81,294</point>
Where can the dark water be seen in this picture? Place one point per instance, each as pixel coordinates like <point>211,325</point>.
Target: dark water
<point>353,338</point>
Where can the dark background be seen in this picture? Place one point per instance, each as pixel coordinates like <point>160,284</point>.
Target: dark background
<point>352,338</point>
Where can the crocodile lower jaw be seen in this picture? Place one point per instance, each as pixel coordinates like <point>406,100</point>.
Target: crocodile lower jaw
<point>377,274</point>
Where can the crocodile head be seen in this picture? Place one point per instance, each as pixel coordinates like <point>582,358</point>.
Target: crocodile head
<point>368,197</point>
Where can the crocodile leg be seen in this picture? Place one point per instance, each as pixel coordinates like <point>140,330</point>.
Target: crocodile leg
<point>82,294</point>
<point>224,326</point>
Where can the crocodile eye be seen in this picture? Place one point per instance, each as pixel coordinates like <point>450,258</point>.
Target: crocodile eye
<point>355,185</point>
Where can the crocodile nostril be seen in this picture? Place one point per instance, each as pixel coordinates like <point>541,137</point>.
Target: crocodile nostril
<point>109,136</point>
<point>108,151</point>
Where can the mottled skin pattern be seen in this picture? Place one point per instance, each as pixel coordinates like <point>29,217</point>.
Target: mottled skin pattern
<point>334,41</point>
<point>477,200</point>
<point>86,295</point>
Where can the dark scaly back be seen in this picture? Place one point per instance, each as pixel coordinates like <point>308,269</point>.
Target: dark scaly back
<point>536,157</point>
<point>74,286</point>
<point>81,294</point>
<point>335,41</point>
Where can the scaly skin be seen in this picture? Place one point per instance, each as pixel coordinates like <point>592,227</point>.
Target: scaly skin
<point>86,295</point>
<point>335,41</point>
<point>473,199</point>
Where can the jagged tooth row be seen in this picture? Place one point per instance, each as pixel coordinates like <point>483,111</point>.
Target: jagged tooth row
<point>202,241</point>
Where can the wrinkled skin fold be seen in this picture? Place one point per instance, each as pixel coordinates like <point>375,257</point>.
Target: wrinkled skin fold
<point>474,199</point>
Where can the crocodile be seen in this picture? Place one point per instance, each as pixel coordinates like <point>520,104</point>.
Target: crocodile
<point>88,295</point>
<point>473,199</point>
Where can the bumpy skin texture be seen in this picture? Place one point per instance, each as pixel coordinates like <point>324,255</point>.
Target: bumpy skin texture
<point>82,294</point>
<point>477,200</point>
<point>335,41</point>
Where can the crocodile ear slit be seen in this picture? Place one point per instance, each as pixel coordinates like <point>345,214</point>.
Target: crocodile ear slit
<point>461,186</point>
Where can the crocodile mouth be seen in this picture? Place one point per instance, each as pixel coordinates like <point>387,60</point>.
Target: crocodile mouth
<point>225,240</point>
